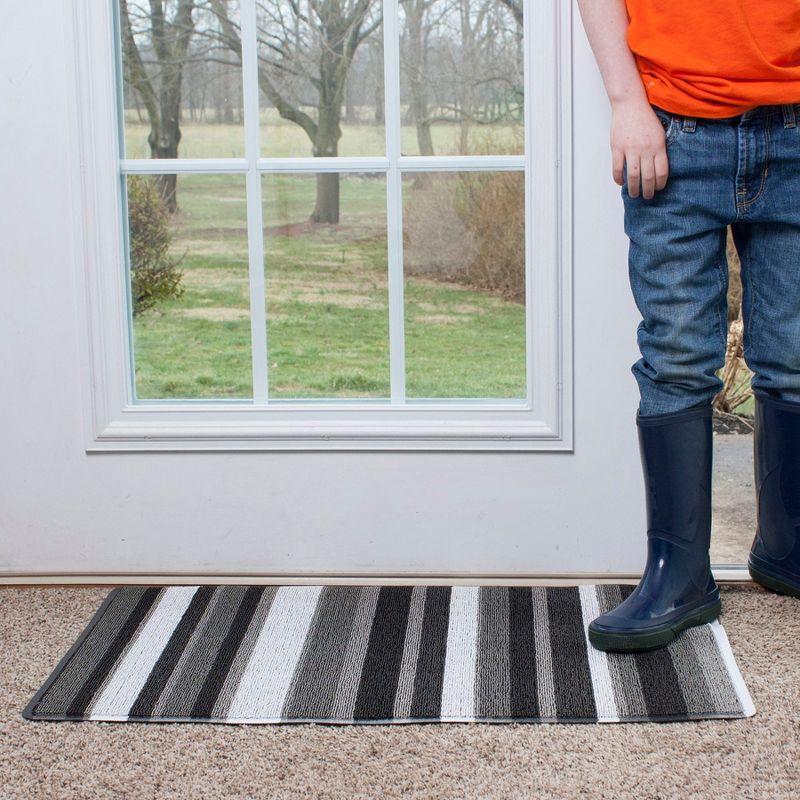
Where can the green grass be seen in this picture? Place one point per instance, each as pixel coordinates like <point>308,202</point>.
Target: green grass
<point>327,306</point>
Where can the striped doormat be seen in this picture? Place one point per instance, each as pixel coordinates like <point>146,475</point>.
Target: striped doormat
<point>349,654</point>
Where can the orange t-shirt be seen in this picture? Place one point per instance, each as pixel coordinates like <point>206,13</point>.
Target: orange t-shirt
<point>716,58</point>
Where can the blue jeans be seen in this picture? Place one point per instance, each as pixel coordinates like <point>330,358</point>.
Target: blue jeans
<point>743,171</point>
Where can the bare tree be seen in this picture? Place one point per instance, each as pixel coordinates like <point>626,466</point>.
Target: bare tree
<point>515,7</point>
<point>462,64</point>
<point>166,34</point>
<point>417,28</point>
<point>306,48</point>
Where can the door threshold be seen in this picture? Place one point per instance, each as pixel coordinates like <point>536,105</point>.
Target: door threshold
<point>723,574</point>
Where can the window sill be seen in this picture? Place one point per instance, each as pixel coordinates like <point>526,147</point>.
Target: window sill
<point>126,435</point>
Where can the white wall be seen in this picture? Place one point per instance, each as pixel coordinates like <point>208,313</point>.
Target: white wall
<point>64,511</point>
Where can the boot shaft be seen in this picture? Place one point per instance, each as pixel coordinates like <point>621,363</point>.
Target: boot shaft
<point>676,451</point>
<point>776,452</point>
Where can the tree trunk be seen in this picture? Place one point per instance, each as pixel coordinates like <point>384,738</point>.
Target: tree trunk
<point>349,102</point>
<point>326,144</point>
<point>326,208</point>
<point>164,144</point>
<point>380,113</point>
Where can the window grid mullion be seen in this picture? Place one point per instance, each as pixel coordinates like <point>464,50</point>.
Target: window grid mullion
<point>529,232</point>
<point>255,233</point>
<point>343,164</point>
<point>394,200</point>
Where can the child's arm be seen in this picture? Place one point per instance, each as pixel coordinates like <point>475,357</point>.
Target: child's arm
<point>637,136</point>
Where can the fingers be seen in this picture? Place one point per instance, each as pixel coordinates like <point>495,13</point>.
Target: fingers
<point>634,169</point>
<point>647,174</point>
<point>617,163</point>
<point>661,162</point>
<point>648,177</point>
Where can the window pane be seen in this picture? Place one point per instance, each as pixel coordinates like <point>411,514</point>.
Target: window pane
<point>327,307</point>
<point>461,77</point>
<point>189,287</point>
<point>182,80</point>
<point>464,266</point>
<point>321,78</point>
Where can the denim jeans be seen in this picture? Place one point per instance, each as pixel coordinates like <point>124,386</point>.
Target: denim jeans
<point>742,171</point>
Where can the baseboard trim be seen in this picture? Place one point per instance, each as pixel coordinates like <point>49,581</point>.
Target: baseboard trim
<point>723,574</point>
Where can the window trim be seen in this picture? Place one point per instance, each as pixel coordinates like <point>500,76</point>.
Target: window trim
<point>543,421</point>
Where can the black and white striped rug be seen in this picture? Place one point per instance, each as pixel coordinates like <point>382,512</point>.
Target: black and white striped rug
<point>349,654</point>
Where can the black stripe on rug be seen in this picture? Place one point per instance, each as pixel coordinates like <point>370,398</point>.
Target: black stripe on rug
<point>381,672</point>
<point>429,677</point>
<point>574,696</point>
<point>523,701</point>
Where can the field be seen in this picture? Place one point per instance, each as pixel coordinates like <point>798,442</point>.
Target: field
<point>283,139</point>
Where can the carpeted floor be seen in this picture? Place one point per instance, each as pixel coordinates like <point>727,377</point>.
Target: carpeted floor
<point>755,758</point>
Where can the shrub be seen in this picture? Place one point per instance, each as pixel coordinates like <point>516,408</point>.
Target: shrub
<point>492,205</point>
<point>154,271</point>
<point>469,227</point>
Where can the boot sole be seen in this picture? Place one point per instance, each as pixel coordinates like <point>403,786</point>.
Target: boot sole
<point>772,583</point>
<point>652,639</point>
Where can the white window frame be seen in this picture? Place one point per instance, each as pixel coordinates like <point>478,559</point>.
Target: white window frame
<point>114,422</point>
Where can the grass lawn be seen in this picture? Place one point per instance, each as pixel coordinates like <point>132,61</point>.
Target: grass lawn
<point>326,301</point>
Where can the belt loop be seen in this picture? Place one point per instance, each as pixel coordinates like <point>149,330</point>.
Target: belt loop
<point>689,124</point>
<point>789,119</point>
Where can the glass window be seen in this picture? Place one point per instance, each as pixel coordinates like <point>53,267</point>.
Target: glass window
<point>391,271</point>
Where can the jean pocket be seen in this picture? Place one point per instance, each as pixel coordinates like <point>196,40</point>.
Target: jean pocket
<point>669,122</point>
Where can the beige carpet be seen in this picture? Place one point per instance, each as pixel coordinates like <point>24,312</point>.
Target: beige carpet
<point>755,758</point>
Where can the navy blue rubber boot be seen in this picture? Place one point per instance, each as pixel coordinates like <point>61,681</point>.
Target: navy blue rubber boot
<point>677,589</point>
<point>775,556</point>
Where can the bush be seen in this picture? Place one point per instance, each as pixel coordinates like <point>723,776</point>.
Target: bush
<point>492,205</point>
<point>469,227</point>
<point>154,271</point>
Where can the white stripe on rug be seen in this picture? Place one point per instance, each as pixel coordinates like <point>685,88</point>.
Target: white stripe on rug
<point>745,700</point>
<point>268,675</point>
<point>602,685</point>
<point>458,689</point>
<point>131,673</point>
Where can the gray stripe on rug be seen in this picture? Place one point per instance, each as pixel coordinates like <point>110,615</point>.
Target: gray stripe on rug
<point>347,686</point>
<point>313,689</point>
<point>493,679</point>
<point>545,680</point>
<point>721,692</point>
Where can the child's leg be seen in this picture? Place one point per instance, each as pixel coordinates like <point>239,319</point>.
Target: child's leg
<point>678,268</point>
<point>679,277</point>
<point>767,237</point>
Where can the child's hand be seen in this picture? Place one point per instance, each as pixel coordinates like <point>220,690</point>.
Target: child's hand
<point>638,142</point>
